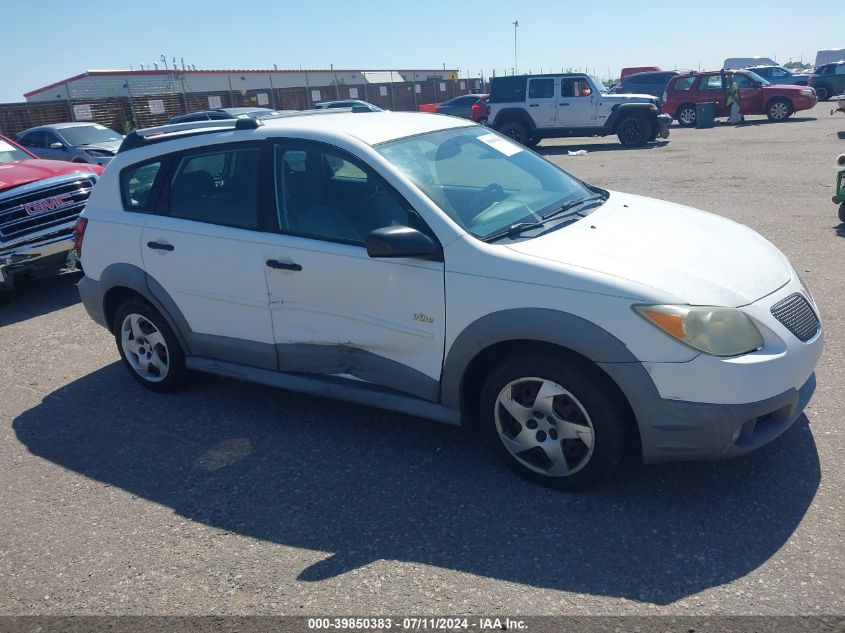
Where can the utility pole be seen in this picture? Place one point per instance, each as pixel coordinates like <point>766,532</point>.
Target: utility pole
<point>164,59</point>
<point>515,65</point>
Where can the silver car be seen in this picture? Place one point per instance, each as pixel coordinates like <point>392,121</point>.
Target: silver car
<point>75,142</point>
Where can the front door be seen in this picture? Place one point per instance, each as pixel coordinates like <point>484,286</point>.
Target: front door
<point>335,310</point>
<point>204,249</point>
<point>542,102</point>
<point>577,106</point>
<point>750,95</point>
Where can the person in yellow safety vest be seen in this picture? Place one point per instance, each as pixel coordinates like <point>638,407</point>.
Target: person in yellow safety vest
<point>733,101</point>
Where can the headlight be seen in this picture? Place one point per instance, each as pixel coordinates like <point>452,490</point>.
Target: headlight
<point>713,330</point>
<point>808,93</point>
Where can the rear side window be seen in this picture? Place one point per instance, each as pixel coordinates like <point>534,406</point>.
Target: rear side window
<point>684,83</point>
<point>136,183</point>
<point>507,89</point>
<point>711,82</point>
<point>840,70</point>
<point>541,88</point>
<point>219,187</point>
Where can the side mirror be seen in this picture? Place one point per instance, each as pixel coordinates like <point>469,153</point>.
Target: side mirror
<point>56,146</point>
<point>400,241</point>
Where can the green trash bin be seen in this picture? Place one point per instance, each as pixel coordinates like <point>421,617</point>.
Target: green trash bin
<point>705,114</point>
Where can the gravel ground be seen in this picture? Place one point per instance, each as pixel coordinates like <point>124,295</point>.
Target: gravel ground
<point>231,498</point>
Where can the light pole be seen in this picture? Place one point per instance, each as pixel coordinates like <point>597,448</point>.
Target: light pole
<point>515,65</point>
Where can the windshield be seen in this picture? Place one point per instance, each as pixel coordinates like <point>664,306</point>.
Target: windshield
<point>600,84</point>
<point>10,154</point>
<point>756,77</point>
<point>482,180</point>
<point>88,134</point>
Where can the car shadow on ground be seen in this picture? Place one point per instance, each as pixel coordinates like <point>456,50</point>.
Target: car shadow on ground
<point>34,297</point>
<point>766,121</point>
<point>563,150</point>
<point>366,485</point>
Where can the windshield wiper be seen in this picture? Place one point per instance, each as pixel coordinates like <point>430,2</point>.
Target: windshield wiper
<point>571,204</point>
<point>513,230</point>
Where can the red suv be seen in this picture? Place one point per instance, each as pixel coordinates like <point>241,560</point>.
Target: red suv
<point>757,96</point>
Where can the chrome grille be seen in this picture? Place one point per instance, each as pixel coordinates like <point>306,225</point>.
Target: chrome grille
<point>797,316</point>
<point>16,223</point>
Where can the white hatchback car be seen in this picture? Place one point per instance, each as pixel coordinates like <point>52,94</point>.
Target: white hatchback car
<point>427,265</point>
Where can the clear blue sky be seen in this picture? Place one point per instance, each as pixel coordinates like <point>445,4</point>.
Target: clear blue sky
<point>48,40</point>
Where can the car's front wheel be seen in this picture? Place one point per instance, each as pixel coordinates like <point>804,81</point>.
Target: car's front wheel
<point>779,110</point>
<point>686,115</point>
<point>842,212</point>
<point>634,130</point>
<point>556,422</point>
<point>148,347</point>
<point>822,92</point>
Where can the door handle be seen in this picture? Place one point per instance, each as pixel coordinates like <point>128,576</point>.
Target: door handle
<point>274,263</point>
<point>533,105</point>
<point>564,104</point>
<point>160,246</point>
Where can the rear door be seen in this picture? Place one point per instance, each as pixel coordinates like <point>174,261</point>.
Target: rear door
<point>204,247</point>
<point>542,101</point>
<point>711,88</point>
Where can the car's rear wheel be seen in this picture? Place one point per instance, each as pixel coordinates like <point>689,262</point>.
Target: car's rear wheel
<point>516,131</point>
<point>556,422</point>
<point>148,347</point>
<point>482,121</point>
<point>779,109</point>
<point>686,115</point>
<point>842,212</point>
<point>634,130</point>
<point>822,92</point>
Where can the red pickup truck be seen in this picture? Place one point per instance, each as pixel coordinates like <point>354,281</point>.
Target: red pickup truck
<point>757,96</point>
<point>39,203</point>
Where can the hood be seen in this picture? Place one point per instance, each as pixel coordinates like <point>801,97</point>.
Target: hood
<point>698,257</point>
<point>629,96</point>
<point>111,146</point>
<point>26,171</point>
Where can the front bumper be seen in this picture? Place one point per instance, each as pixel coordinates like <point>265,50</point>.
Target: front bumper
<point>48,253</point>
<point>676,430</point>
<point>663,123</point>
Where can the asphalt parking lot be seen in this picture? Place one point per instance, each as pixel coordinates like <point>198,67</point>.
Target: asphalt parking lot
<point>232,498</point>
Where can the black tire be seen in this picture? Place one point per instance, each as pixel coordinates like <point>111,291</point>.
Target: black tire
<point>842,212</point>
<point>633,130</point>
<point>482,121</point>
<point>591,392</point>
<point>516,131</point>
<point>822,92</point>
<point>533,142</point>
<point>779,109</point>
<point>686,116</point>
<point>172,351</point>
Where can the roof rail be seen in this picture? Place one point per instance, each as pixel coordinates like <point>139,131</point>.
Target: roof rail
<point>158,134</point>
<point>150,135</point>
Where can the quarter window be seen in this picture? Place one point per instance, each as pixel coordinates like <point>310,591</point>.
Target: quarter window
<point>325,194</point>
<point>219,187</point>
<point>136,183</point>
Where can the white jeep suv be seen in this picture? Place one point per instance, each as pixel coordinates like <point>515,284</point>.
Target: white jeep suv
<point>427,265</point>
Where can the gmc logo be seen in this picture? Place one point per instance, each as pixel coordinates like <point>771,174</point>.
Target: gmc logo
<point>54,203</point>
